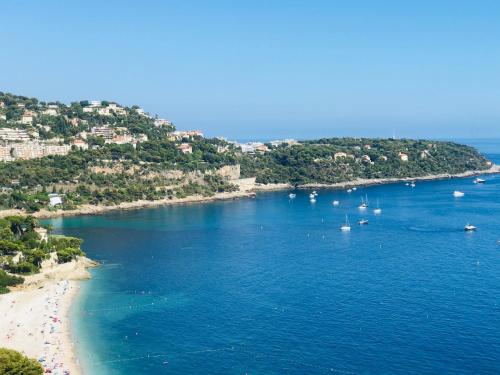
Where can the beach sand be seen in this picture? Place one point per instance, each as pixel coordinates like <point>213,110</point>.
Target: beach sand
<point>34,317</point>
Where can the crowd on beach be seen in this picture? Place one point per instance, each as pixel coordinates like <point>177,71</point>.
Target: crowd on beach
<point>42,327</point>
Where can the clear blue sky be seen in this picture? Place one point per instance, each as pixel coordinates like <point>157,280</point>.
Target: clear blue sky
<point>265,69</point>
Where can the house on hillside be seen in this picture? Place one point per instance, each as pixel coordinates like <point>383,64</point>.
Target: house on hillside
<point>55,200</point>
<point>403,156</point>
<point>339,155</point>
<point>51,110</point>
<point>80,143</point>
<point>185,148</point>
<point>27,118</point>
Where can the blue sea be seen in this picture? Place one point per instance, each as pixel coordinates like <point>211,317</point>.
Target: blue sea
<point>271,286</point>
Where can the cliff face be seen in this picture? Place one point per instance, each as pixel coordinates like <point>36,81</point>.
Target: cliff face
<point>231,172</point>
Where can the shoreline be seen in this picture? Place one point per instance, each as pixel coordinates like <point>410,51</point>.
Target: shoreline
<point>35,316</point>
<point>248,189</point>
<point>360,182</point>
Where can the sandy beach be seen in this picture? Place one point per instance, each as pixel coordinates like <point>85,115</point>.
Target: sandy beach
<point>35,315</point>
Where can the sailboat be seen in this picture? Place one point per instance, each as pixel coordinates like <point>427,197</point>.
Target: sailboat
<point>378,210</point>
<point>292,195</point>
<point>363,222</point>
<point>364,203</point>
<point>346,227</point>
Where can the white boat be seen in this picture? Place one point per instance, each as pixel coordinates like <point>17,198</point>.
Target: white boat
<point>349,190</point>
<point>413,184</point>
<point>378,210</point>
<point>313,200</point>
<point>479,181</point>
<point>458,194</point>
<point>335,203</point>
<point>470,228</point>
<point>354,188</point>
<point>312,196</point>
<point>407,184</point>
<point>363,222</point>
<point>292,195</point>
<point>314,192</point>
<point>346,227</point>
<point>364,204</point>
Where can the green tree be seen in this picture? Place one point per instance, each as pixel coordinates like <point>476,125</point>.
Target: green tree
<point>14,363</point>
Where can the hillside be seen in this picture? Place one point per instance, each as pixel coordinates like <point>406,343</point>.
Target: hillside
<point>60,156</point>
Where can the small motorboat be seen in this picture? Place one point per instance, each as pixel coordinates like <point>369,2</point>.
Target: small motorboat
<point>292,195</point>
<point>354,188</point>
<point>335,203</point>
<point>363,222</point>
<point>413,185</point>
<point>470,228</point>
<point>312,200</point>
<point>312,196</point>
<point>458,194</point>
<point>479,181</point>
<point>349,190</point>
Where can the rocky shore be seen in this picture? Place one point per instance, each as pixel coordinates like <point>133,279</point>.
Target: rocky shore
<point>248,189</point>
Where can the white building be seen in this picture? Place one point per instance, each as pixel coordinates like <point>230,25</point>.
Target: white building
<point>27,118</point>
<point>16,135</point>
<point>103,131</point>
<point>55,200</point>
<point>403,156</point>
<point>51,111</point>
<point>162,122</point>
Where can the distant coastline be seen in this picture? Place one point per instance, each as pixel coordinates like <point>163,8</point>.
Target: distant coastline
<point>248,189</point>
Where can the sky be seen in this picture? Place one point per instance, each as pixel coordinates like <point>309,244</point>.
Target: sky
<point>267,69</point>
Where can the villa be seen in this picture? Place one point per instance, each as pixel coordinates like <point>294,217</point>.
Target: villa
<point>185,148</point>
<point>403,156</point>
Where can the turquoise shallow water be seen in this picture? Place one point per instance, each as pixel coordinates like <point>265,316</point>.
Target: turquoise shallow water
<point>271,286</point>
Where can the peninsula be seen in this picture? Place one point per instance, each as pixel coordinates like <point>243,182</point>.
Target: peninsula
<point>94,156</point>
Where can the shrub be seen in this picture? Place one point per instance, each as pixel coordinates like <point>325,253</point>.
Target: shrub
<point>8,280</point>
<point>14,363</point>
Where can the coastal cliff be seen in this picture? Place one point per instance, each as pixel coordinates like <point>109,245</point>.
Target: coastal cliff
<point>118,157</point>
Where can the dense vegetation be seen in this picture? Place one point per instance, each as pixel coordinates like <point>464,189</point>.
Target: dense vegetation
<point>157,168</point>
<point>7,280</point>
<point>22,250</point>
<point>114,173</point>
<point>14,363</point>
<point>316,162</point>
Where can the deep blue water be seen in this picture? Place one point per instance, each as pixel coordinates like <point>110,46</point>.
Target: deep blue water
<point>271,286</point>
